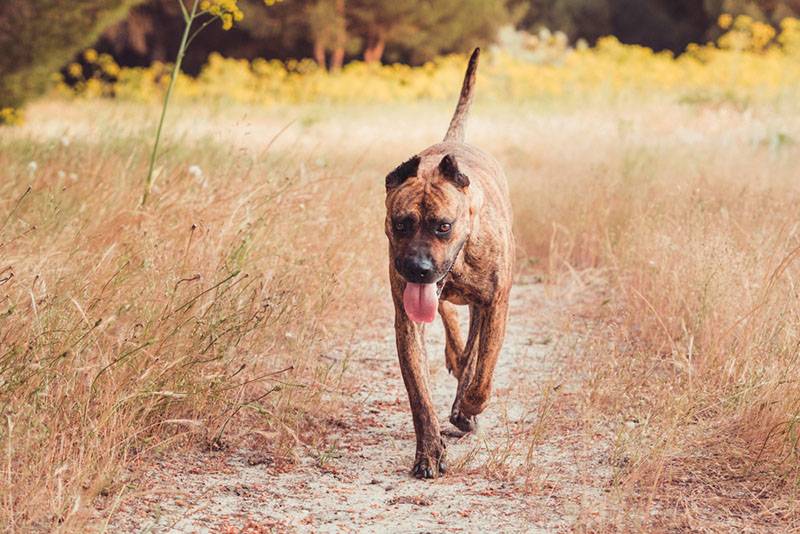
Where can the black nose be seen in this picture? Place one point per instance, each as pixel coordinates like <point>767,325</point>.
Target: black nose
<point>418,269</point>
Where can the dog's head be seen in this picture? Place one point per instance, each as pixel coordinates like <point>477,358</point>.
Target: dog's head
<point>427,223</point>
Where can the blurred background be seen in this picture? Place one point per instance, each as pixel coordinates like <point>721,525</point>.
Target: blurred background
<point>119,47</point>
<point>333,32</point>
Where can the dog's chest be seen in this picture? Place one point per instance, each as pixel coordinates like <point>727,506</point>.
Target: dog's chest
<point>458,291</point>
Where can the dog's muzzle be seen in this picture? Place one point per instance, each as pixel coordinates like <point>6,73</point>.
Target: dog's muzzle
<point>418,270</point>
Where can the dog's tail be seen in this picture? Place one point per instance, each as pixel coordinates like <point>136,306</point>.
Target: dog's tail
<point>456,130</point>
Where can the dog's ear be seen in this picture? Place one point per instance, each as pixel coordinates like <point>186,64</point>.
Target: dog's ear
<point>449,169</point>
<point>403,172</point>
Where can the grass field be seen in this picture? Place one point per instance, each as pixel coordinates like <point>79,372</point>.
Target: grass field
<point>206,316</point>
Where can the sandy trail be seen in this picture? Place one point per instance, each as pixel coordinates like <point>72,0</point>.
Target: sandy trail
<point>523,471</point>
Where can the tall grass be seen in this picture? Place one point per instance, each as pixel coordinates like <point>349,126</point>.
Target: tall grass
<point>691,214</point>
<point>123,331</point>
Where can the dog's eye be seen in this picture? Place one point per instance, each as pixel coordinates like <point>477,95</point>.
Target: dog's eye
<point>443,228</point>
<point>400,226</point>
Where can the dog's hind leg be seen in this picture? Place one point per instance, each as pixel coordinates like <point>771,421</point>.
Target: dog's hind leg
<point>454,343</point>
<point>467,363</point>
<point>476,392</point>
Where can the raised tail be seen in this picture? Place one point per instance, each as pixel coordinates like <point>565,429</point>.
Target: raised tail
<point>456,130</point>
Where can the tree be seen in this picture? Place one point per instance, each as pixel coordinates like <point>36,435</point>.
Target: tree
<point>379,22</point>
<point>587,19</point>
<point>457,26</point>
<point>328,28</point>
<point>330,31</point>
<point>417,31</point>
<point>660,24</point>
<point>38,37</point>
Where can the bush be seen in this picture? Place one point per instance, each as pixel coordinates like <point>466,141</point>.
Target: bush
<point>749,63</point>
<point>37,37</point>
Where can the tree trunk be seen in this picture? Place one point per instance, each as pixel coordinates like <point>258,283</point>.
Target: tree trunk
<point>374,51</point>
<point>319,53</point>
<point>337,58</point>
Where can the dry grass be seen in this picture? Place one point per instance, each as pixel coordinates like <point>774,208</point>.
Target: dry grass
<point>691,214</point>
<point>122,331</point>
<point>126,331</point>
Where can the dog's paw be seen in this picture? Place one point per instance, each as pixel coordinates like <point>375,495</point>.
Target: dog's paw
<point>430,463</point>
<point>464,423</point>
<point>423,468</point>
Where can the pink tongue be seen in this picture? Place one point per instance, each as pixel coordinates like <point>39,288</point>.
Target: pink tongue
<point>420,301</point>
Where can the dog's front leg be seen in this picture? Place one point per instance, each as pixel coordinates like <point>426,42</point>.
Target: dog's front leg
<point>429,461</point>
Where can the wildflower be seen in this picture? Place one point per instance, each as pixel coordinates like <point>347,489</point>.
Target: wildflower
<point>11,116</point>
<point>62,175</point>
<point>725,20</point>
<point>65,141</point>
<point>762,34</point>
<point>112,69</point>
<point>32,166</point>
<point>90,55</point>
<point>226,10</point>
<point>790,24</point>
<point>75,70</point>
<point>195,171</point>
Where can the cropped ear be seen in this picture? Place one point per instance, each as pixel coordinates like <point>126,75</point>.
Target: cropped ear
<point>403,172</point>
<point>449,169</point>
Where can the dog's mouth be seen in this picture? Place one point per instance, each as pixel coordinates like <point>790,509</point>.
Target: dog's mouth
<point>421,300</point>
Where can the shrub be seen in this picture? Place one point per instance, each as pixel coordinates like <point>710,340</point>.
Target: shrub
<point>37,37</point>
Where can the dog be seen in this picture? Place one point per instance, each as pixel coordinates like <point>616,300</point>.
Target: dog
<point>448,220</point>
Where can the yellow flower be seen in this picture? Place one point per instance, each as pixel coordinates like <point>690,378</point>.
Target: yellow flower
<point>762,35</point>
<point>743,21</point>
<point>75,70</point>
<point>747,63</point>
<point>725,20</point>
<point>90,55</point>
<point>226,10</point>
<point>11,116</point>
<point>227,21</point>
<point>112,69</point>
<point>790,24</point>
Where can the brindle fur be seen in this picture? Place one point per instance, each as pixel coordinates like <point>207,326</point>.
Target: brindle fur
<point>452,181</point>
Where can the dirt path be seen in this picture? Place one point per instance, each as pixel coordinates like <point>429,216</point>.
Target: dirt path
<point>524,470</point>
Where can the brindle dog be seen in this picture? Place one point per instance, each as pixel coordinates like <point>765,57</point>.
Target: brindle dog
<point>448,220</point>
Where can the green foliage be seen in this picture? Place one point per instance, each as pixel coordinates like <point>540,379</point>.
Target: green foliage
<point>401,30</point>
<point>453,26</point>
<point>418,31</point>
<point>38,37</point>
